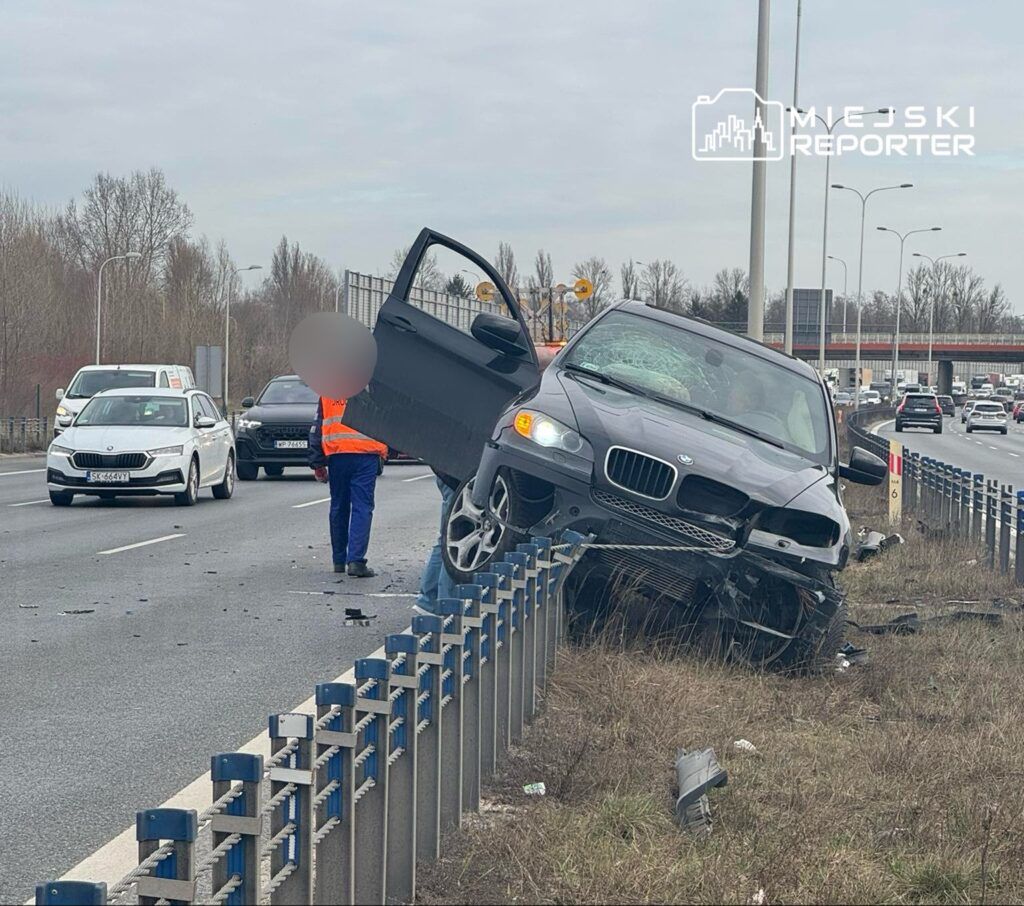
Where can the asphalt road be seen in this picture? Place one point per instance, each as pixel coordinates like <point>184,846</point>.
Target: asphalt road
<point>988,452</point>
<point>189,643</point>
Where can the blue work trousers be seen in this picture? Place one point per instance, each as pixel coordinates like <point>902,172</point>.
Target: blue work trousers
<point>352,478</point>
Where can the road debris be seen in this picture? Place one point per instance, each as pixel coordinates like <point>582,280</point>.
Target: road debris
<point>873,543</point>
<point>73,613</point>
<point>535,789</point>
<point>29,606</point>
<point>354,616</point>
<point>697,772</point>
<point>911,623</point>
<point>745,745</point>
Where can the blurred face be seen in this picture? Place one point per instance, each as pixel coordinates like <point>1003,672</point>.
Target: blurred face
<point>334,354</point>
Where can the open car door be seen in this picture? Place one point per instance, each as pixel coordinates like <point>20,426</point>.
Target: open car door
<point>448,362</point>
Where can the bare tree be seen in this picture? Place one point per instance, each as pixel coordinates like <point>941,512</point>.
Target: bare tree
<point>505,265</point>
<point>663,285</point>
<point>966,292</point>
<point>596,271</point>
<point>993,307</point>
<point>630,280</point>
<point>428,274</point>
<point>544,271</point>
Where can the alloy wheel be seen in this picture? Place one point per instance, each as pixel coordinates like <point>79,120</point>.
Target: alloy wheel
<point>471,535</point>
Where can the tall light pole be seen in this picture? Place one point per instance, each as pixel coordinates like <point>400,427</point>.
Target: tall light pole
<point>99,293</point>
<point>931,307</point>
<point>787,335</point>
<point>845,275</point>
<point>227,327</point>
<point>755,306</point>
<point>824,228</point>
<point>899,295</point>
<point>860,268</point>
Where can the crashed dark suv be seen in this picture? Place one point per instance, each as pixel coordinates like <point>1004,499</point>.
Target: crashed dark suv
<point>704,464</point>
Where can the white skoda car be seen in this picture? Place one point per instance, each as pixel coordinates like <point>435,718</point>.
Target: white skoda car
<point>135,441</point>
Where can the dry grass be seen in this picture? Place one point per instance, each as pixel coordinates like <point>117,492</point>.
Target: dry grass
<point>897,781</point>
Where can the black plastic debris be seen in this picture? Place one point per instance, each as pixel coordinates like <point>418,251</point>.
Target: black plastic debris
<point>354,616</point>
<point>872,543</point>
<point>852,654</point>
<point>911,623</point>
<point>697,772</point>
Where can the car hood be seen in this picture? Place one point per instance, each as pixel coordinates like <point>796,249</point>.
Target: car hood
<point>122,438</point>
<point>607,416</point>
<point>283,413</point>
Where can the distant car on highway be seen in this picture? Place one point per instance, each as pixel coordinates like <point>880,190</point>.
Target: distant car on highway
<point>987,415</point>
<point>966,410</point>
<point>273,432</point>
<point>1017,413</point>
<point>947,405</point>
<point>135,442</point>
<point>870,398</point>
<point>843,398</point>
<point>919,410</point>
<point>91,379</point>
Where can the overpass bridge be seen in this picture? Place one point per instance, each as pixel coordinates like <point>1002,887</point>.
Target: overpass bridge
<point>1000,349</point>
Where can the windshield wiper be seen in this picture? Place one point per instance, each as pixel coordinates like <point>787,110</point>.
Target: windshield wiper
<point>606,379</point>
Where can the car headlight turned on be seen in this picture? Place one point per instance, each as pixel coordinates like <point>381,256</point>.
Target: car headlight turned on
<point>167,451</point>
<point>58,450</point>
<point>65,412</point>
<point>547,432</point>
<point>248,424</point>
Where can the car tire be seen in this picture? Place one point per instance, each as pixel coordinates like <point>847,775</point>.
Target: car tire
<point>274,471</point>
<point>969,429</point>
<point>226,488</point>
<point>189,496</point>
<point>1004,430</point>
<point>938,428</point>
<point>247,471</point>
<point>61,498</point>
<point>469,544</point>
<point>899,428</point>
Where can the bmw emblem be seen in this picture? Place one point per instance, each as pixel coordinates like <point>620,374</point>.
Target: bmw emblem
<point>685,460</point>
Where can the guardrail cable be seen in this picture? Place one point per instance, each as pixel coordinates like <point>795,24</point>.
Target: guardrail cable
<point>279,878</point>
<point>274,801</point>
<point>230,886</point>
<point>283,834</point>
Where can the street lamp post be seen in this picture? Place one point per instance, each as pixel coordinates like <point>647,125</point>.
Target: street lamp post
<point>845,275</point>
<point>824,228</point>
<point>931,307</point>
<point>899,295</point>
<point>860,268</point>
<point>99,294</point>
<point>787,336</point>
<point>227,327</point>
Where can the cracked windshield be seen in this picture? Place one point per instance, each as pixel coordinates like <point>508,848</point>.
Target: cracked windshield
<point>690,369</point>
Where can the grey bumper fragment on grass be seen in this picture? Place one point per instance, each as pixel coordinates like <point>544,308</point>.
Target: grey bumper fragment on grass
<point>697,772</point>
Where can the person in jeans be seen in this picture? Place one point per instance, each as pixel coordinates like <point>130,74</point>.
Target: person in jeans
<point>436,583</point>
<point>349,461</point>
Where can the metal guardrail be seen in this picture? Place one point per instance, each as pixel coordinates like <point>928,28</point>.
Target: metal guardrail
<point>20,434</point>
<point>939,339</point>
<point>953,501</point>
<point>351,799</point>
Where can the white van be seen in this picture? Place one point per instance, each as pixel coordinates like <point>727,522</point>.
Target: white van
<point>91,379</point>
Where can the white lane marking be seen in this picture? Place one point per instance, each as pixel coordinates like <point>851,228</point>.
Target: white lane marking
<point>993,448</point>
<point>47,499</point>
<point>116,858</point>
<point>130,547</point>
<point>359,594</point>
<point>22,472</point>
<point>418,477</point>
<point>299,506</point>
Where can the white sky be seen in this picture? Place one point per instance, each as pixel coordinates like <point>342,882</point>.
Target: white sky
<point>348,126</point>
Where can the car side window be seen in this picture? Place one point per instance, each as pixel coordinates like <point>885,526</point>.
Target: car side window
<point>452,288</point>
<point>208,407</point>
<point>163,379</point>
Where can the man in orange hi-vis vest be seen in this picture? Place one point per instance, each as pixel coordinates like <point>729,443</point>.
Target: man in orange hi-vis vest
<point>350,461</point>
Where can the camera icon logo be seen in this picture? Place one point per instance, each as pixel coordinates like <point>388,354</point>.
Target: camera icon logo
<point>727,127</point>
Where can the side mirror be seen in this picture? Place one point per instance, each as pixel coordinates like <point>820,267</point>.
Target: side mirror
<point>59,394</point>
<point>864,468</point>
<point>205,421</point>
<point>248,402</point>
<point>497,332</point>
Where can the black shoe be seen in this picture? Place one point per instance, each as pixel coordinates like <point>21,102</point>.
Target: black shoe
<point>359,570</point>
<point>339,567</point>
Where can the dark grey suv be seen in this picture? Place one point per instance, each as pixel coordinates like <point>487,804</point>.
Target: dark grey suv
<point>919,410</point>
<point>705,464</point>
